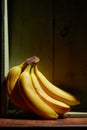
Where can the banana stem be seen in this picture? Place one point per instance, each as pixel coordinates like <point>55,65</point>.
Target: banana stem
<point>29,61</point>
<point>32,60</point>
<point>28,68</point>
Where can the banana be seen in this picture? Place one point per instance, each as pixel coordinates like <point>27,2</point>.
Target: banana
<point>55,91</point>
<point>12,86</point>
<point>58,106</point>
<point>11,82</point>
<point>31,98</point>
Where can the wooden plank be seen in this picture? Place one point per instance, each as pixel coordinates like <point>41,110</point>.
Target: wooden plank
<point>67,122</point>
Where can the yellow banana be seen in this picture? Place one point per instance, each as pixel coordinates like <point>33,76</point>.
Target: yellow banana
<point>55,91</point>
<point>12,86</point>
<point>11,83</point>
<point>58,106</point>
<point>30,96</point>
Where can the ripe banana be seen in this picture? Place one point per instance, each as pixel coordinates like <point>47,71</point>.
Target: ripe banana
<point>58,106</point>
<point>31,91</point>
<point>11,83</point>
<point>31,98</point>
<point>55,91</point>
<point>12,86</point>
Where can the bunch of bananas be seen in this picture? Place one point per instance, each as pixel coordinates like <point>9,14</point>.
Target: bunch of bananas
<point>31,91</point>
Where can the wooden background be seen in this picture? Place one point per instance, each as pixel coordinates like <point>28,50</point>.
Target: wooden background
<point>56,31</point>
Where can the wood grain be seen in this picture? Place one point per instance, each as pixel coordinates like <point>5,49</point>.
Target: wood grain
<point>66,122</point>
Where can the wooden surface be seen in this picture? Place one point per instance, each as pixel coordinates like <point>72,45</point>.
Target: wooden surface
<point>25,123</point>
<point>29,120</point>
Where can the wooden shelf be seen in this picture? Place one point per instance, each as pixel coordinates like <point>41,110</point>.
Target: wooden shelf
<point>35,122</point>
